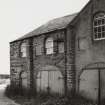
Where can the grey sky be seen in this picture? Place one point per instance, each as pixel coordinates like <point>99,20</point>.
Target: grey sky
<point>17,17</point>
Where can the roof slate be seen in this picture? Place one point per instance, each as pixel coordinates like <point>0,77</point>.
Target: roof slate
<point>55,24</point>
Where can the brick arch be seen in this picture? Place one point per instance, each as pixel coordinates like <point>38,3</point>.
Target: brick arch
<point>58,68</point>
<point>98,12</point>
<point>89,80</point>
<point>95,65</point>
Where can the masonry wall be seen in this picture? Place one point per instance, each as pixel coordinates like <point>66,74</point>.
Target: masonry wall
<point>51,61</point>
<point>70,59</point>
<point>88,50</point>
<point>19,65</point>
<point>34,63</point>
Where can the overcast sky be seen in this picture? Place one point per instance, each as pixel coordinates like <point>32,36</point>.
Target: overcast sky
<point>17,17</point>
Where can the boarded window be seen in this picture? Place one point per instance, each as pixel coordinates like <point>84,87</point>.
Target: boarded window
<point>23,50</point>
<point>60,47</point>
<point>49,46</point>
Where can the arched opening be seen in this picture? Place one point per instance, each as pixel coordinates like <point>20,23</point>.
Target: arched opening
<point>23,80</point>
<point>92,81</point>
<point>50,81</point>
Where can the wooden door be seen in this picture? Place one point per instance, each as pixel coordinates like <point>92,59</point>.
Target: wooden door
<point>89,83</point>
<point>102,84</point>
<point>50,81</point>
<point>56,82</point>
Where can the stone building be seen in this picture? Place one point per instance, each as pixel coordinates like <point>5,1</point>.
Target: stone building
<point>65,54</point>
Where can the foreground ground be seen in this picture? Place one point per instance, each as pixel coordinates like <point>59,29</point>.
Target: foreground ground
<point>3,99</point>
<point>42,98</point>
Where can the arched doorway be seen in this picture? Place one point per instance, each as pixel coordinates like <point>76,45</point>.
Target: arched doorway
<point>24,82</point>
<point>92,82</point>
<point>51,81</point>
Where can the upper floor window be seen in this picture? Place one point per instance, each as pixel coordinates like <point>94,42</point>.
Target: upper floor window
<point>60,46</point>
<point>99,26</point>
<point>38,49</point>
<point>49,45</point>
<point>23,50</point>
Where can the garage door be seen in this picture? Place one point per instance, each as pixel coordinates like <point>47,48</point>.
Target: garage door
<point>50,81</point>
<point>89,84</point>
<point>92,84</point>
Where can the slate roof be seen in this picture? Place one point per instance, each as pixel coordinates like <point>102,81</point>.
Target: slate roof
<point>55,24</point>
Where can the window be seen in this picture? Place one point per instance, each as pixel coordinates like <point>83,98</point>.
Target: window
<point>99,26</point>
<point>49,46</point>
<point>82,44</point>
<point>61,47</point>
<point>38,49</point>
<point>23,50</point>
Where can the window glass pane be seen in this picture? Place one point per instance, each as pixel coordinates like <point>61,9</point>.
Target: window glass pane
<point>99,29</point>
<point>103,34</point>
<point>61,47</point>
<point>95,30</point>
<point>99,22</point>
<point>103,28</point>
<point>99,35</point>
<point>103,21</point>
<point>95,23</point>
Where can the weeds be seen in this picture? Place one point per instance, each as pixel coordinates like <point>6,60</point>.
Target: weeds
<point>25,97</point>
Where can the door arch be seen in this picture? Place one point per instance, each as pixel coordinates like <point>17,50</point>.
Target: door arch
<point>92,81</point>
<point>50,81</point>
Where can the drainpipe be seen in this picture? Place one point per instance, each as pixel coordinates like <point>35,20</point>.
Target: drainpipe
<point>99,89</point>
<point>65,52</point>
<point>72,55</point>
<point>31,65</point>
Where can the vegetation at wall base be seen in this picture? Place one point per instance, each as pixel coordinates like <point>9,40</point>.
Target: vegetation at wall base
<point>43,98</point>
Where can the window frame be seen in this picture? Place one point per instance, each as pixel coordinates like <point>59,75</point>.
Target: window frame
<point>49,41</point>
<point>99,27</point>
<point>37,46</point>
<point>22,52</point>
<point>58,43</point>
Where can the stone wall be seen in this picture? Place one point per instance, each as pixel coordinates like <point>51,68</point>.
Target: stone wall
<point>34,63</point>
<point>88,50</point>
<point>18,65</point>
<point>43,61</point>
